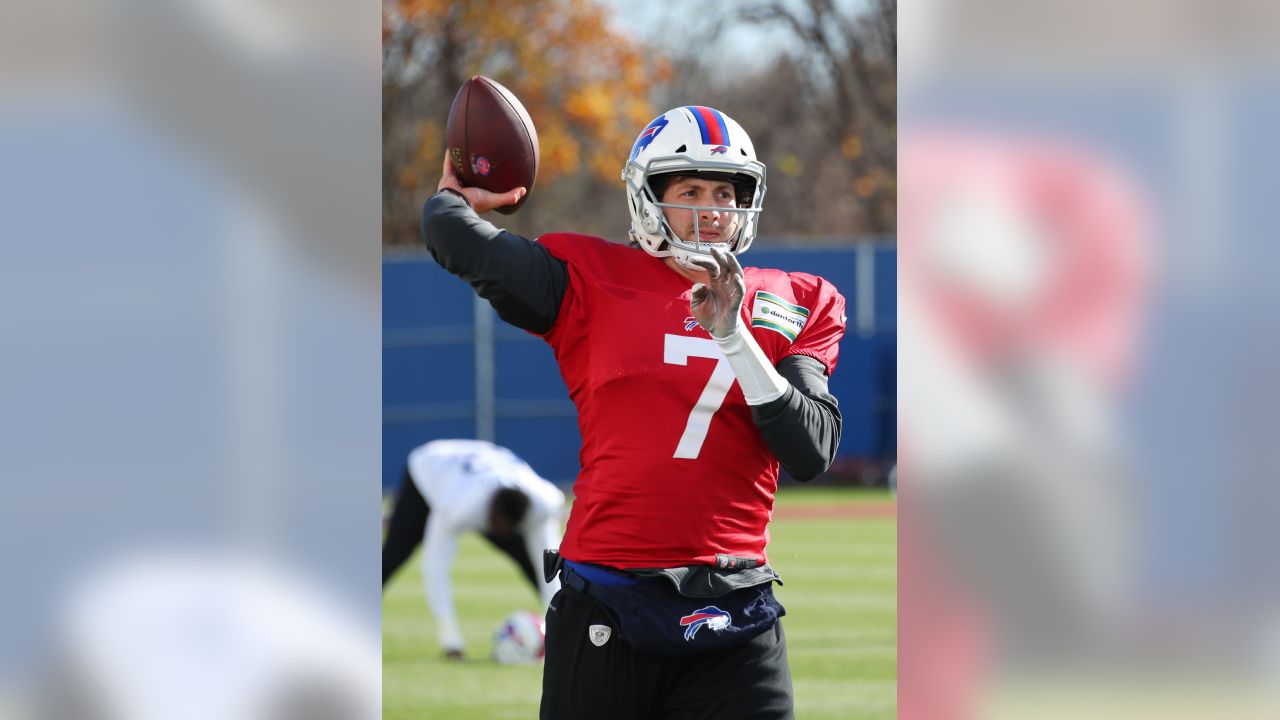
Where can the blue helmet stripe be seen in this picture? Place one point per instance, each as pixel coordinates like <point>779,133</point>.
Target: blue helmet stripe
<point>702,124</point>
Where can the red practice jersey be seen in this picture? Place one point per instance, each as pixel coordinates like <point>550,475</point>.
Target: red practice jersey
<point>674,470</point>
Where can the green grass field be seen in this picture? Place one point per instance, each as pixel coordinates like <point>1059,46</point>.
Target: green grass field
<point>841,623</point>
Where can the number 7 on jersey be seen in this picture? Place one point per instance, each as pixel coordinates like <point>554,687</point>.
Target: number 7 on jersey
<point>676,350</point>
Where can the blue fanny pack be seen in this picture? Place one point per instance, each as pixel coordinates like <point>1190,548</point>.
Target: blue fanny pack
<point>653,616</point>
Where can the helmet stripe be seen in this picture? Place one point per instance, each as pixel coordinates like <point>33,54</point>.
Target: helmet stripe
<point>702,123</point>
<point>711,124</point>
<point>724,130</point>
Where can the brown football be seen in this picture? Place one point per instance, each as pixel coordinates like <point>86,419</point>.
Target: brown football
<point>492,141</point>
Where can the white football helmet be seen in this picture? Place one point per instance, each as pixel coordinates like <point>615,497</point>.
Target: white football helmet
<point>690,141</point>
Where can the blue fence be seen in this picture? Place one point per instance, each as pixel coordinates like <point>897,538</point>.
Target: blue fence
<point>438,383</point>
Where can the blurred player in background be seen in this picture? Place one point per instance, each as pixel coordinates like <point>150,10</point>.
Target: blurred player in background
<point>470,485</point>
<point>693,379</point>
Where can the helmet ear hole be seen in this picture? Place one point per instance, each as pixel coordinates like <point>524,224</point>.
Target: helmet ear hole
<point>682,148</point>
<point>650,220</point>
<point>743,151</point>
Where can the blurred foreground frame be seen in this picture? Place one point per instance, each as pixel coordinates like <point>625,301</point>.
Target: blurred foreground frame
<point>1090,534</point>
<point>191,365</point>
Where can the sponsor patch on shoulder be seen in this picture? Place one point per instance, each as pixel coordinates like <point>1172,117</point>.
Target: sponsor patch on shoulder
<point>776,314</point>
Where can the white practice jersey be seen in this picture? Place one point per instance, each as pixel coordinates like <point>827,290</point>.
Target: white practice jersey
<point>458,478</point>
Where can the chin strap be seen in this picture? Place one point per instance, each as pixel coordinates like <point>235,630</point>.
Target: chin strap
<point>760,382</point>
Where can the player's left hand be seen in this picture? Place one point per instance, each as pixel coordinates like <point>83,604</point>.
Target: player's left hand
<point>717,304</point>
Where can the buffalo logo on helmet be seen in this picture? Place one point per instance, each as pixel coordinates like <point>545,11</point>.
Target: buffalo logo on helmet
<point>709,616</point>
<point>719,150</point>
<point>648,134</point>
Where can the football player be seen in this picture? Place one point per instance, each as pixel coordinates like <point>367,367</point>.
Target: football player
<point>693,379</point>
<point>462,486</point>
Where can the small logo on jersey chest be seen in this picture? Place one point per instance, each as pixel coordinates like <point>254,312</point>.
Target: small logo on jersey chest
<point>774,313</point>
<point>599,634</point>
<point>690,323</point>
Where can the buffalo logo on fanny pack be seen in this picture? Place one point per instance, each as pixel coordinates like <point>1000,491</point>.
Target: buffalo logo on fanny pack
<point>710,616</point>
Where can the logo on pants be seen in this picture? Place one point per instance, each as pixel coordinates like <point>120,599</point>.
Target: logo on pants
<point>599,634</point>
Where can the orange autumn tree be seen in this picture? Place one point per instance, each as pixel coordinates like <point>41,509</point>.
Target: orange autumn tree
<point>585,85</point>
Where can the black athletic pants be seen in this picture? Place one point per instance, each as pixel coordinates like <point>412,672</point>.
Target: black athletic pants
<point>583,681</point>
<point>408,524</point>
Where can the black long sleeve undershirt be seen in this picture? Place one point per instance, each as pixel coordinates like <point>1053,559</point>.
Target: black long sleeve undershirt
<point>521,280</point>
<point>801,428</point>
<point>525,284</point>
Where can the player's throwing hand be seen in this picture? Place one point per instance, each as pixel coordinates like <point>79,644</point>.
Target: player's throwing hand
<point>717,304</point>
<point>479,199</point>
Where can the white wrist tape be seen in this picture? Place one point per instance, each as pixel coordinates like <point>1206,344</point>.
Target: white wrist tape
<point>760,382</point>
